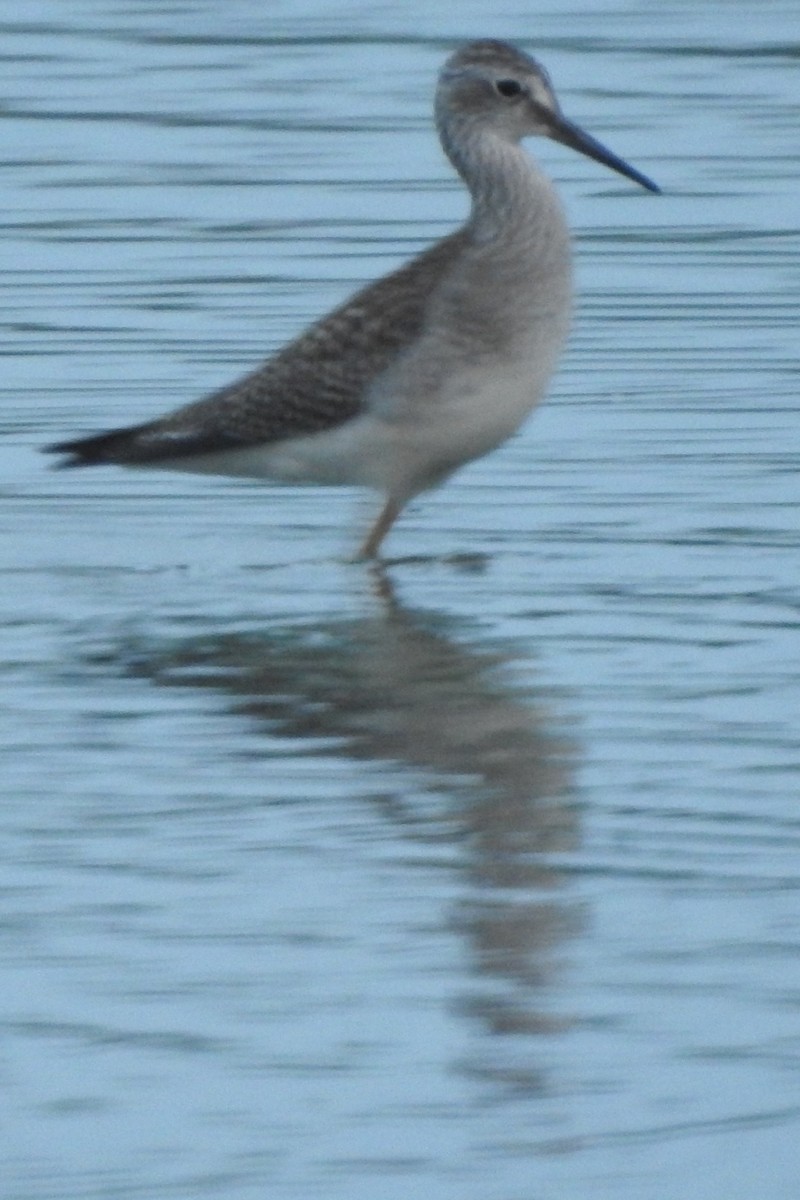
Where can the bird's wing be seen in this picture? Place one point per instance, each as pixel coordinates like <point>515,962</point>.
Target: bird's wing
<point>316,382</point>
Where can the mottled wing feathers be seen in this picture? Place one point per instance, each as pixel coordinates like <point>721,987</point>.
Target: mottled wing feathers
<point>314,383</point>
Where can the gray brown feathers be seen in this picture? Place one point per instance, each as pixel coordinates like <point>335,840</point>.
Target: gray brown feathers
<point>316,382</point>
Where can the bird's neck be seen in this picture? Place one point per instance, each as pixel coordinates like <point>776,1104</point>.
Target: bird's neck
<point>511,197</point>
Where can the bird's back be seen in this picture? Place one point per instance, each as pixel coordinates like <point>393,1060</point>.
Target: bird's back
<point>317,382</point>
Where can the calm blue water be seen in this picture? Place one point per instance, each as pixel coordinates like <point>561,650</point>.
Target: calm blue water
<point>478,876</point>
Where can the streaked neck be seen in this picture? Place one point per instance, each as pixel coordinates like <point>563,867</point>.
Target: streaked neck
<point>508,190</point>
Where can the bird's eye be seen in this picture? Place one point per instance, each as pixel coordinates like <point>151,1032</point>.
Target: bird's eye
<point>508,88</point>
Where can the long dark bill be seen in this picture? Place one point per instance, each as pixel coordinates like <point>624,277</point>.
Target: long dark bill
<point>564,131</point>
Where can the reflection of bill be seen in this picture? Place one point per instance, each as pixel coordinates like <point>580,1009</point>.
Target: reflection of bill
<point>497,774</point>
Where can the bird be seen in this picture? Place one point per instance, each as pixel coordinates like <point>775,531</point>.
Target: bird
<point>429,367</point>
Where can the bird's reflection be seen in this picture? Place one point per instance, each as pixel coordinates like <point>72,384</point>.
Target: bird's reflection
<point>399,687</point>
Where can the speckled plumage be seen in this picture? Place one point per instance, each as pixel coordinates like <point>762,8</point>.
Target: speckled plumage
<point>434,364</point>
<point>314,383</point>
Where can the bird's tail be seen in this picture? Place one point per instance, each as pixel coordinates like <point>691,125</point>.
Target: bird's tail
<point>119,446</point>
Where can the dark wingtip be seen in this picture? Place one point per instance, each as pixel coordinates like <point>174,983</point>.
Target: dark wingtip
<point>63,464</point>
<point>114,446</point>
<point>70,458</point>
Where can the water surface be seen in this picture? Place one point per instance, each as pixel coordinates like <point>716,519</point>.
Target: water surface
<point>475,876</point>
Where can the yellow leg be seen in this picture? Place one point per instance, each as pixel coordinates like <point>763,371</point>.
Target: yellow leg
<point>386,519</point>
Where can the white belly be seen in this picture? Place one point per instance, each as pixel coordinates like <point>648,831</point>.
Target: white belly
<point>405,445</point>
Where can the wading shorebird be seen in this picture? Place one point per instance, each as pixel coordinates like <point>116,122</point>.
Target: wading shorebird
<point>431,366</point>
